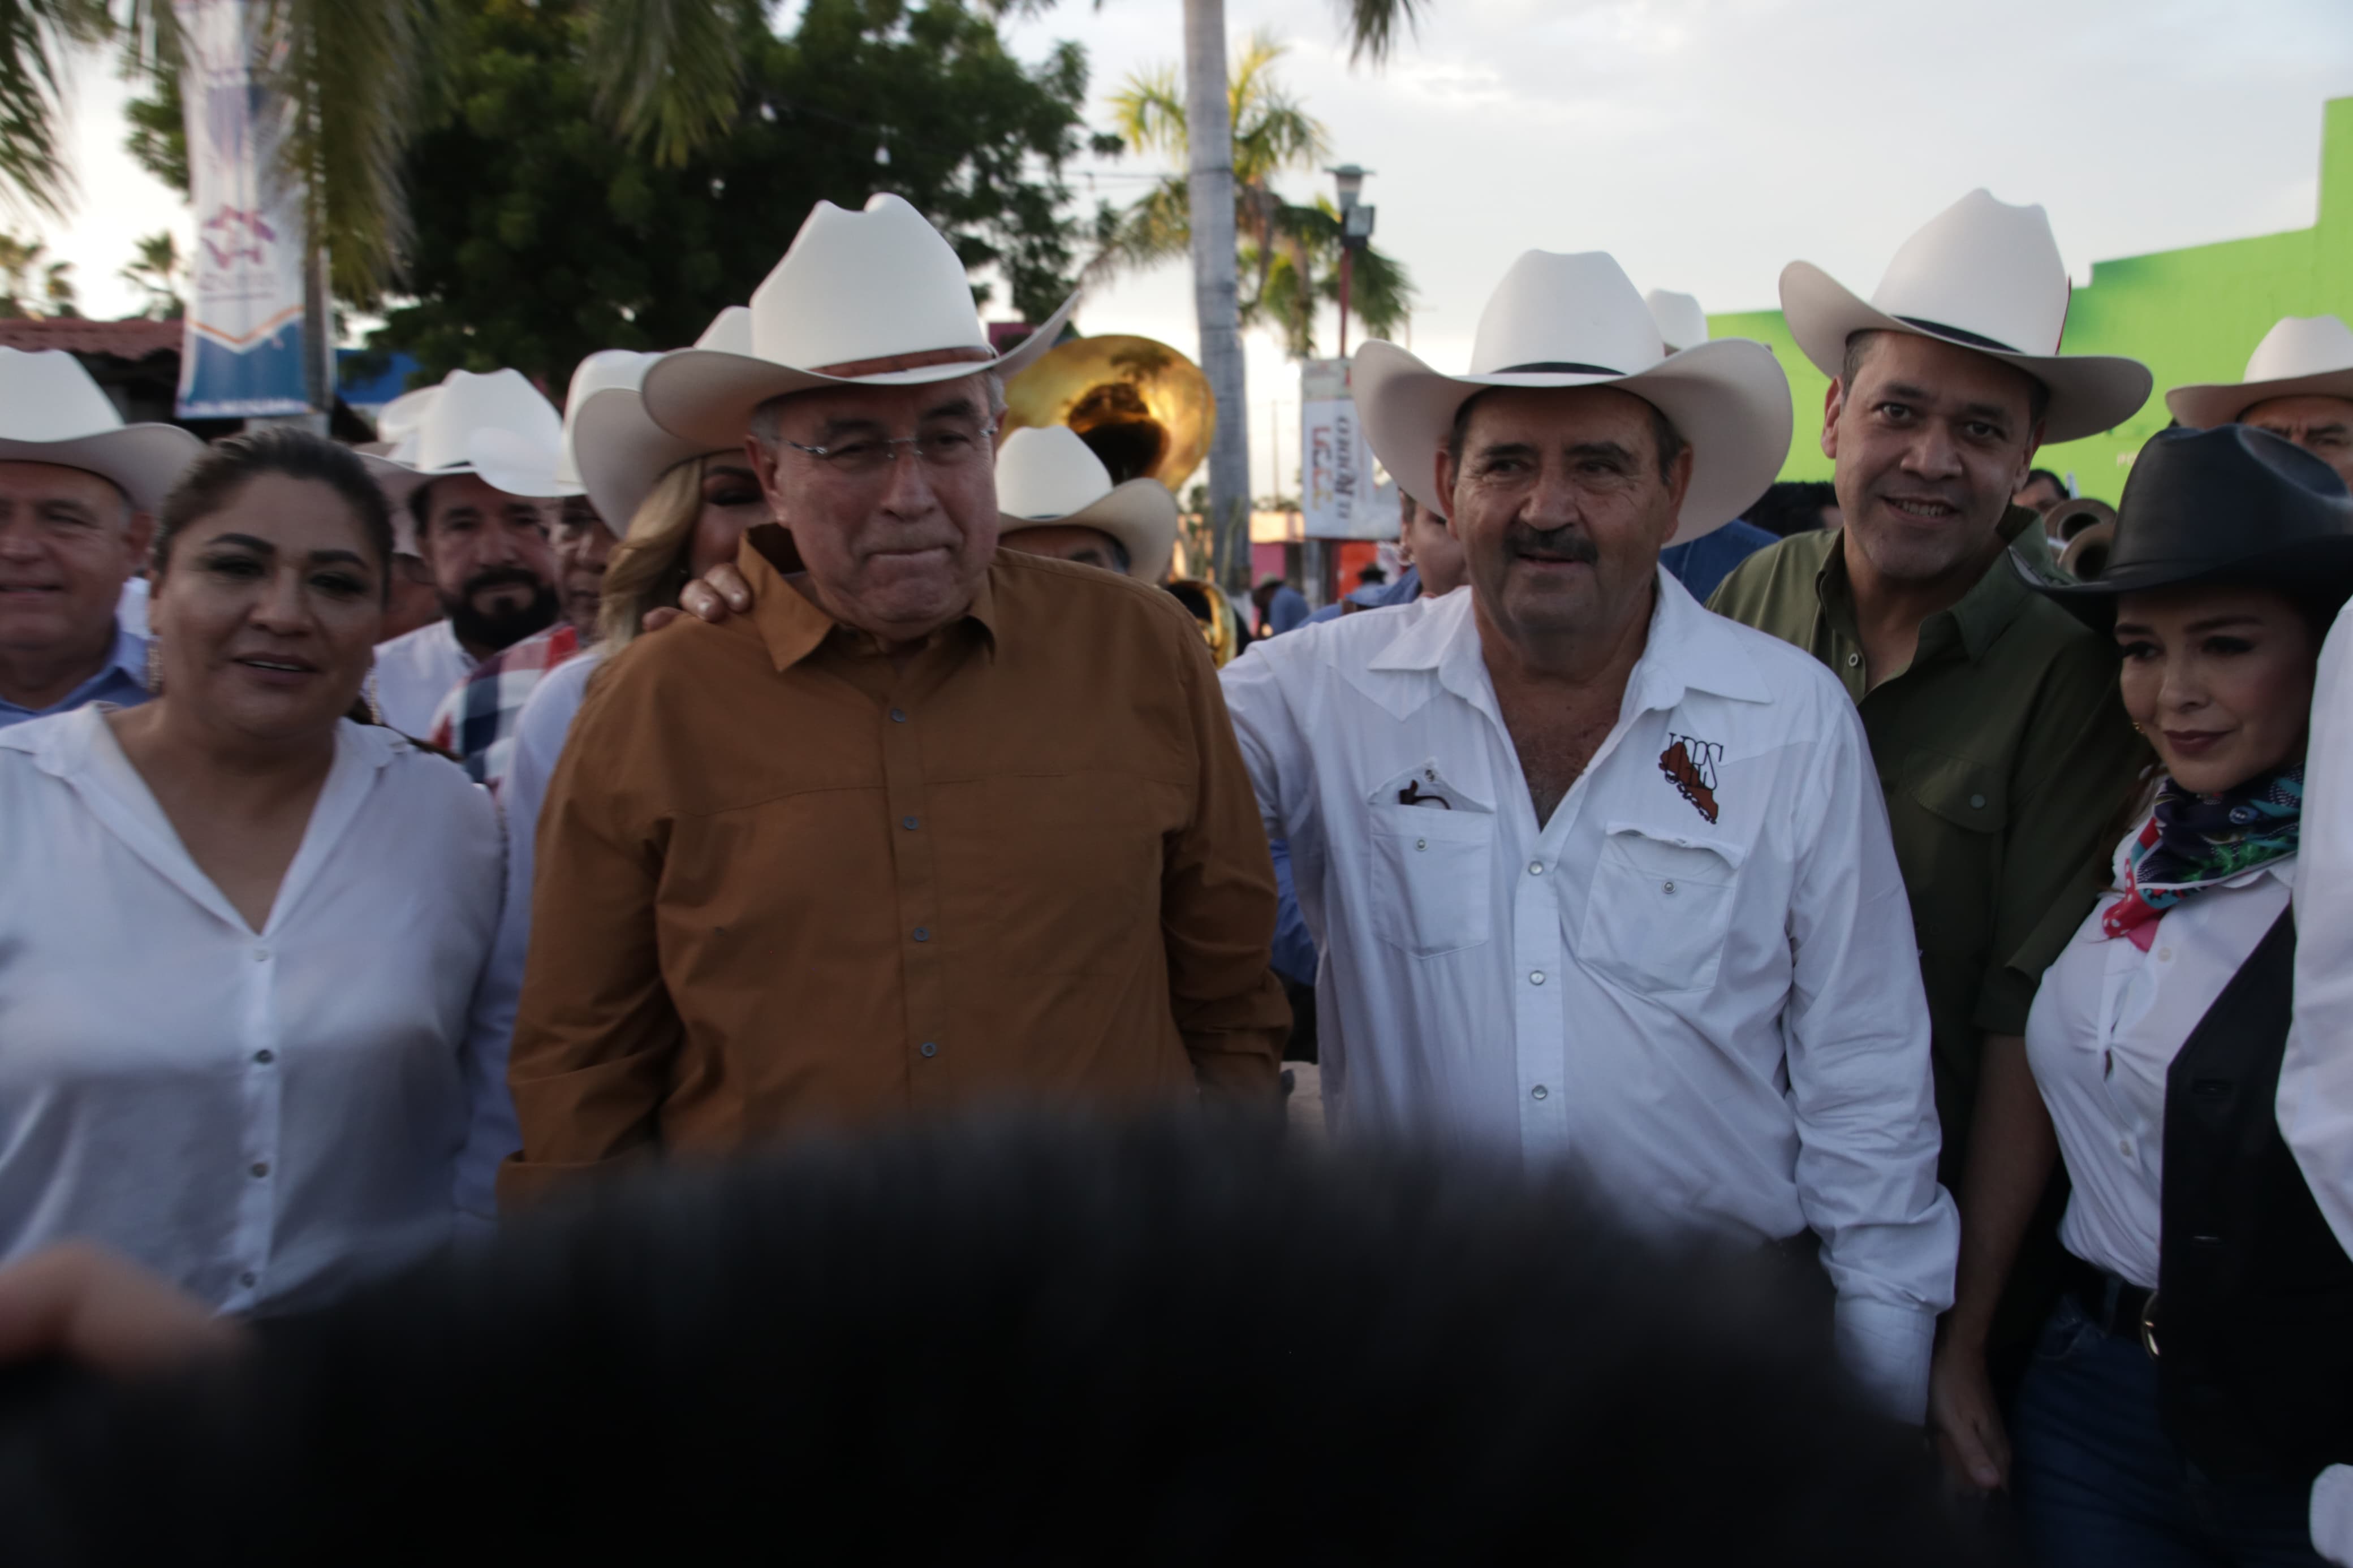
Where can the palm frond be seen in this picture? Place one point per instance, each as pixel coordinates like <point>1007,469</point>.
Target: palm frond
<point>1273,130</point>
<point>35,37</point>
<point>1151,230</point>
<point>1372,26</point>
<point>349,73</point>
<point>1148,111</point>
<point>668,73</point>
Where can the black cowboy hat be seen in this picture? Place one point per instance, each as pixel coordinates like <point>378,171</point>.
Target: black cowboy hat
<point>2232,504</point>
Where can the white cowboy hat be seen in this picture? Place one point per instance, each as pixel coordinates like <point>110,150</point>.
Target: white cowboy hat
<point>52,412</point>
<point>1680,320</point>
<point>496,426</point>
<point>1575,320</point>
<point>868,299</point>
<point>612,448</point>
<point>2300,356</point>
<point>1049,476</point>
<point>1987,276</point>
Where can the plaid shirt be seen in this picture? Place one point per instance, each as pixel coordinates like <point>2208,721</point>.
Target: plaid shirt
<point>476,721</point>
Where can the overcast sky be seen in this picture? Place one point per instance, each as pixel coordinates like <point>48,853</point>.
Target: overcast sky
<point>1704,142</point>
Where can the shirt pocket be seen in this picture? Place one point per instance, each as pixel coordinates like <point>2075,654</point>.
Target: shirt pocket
<point>1660,909</point>
<point>1948,821</point>
<point>1433,878</point>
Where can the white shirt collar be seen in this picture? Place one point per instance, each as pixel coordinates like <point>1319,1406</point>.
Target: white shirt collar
<point>1689,650</point>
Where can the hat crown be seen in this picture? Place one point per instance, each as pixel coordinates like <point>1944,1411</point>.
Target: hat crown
<point>730,332</point>
<point>48,397</point>
<point>1981,269</point>
<point>2209,498</point>
<point>1047,473</point>
<point>1680,320</point>
<point>2302,345</point>
<point>864,286</point>
<point>468,405</point>
<point>1557,312</point>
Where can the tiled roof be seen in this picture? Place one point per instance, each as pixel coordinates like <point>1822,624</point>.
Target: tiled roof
<point>132,340</point>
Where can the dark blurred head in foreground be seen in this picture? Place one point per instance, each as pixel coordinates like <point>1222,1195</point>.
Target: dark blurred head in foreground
<point>1010,1342</point>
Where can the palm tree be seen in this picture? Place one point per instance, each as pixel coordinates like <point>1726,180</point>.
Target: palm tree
<point>354,75</point>
<point>1288,255</point>
<point>20,261</point>
<point>36,39</point>
<point>155,270</point>
<point>1372,27</point>
<point>58,289</point>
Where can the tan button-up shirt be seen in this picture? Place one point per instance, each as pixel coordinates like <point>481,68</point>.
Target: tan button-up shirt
<point>787,880</point>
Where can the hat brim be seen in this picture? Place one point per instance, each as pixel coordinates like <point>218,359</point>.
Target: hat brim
<point>143,461</point>
<point>2207,405</point>
<point>1141,514</point>
<point>1729,399</point>
<point>623,454</point>
<point>707,395</point>
<point>2310,568</point>
<point>2089,393</point>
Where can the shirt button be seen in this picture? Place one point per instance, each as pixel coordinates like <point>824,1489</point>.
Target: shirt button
<point>1977,801</point>
<point>265,1056</point>
<point>898,715</point>
<point>930,1047</point>
<point>247,1279</point>
<point>2124,1147</point>
<point>908,823</point>
<point>1535,867</point>
<point>2165,955</point>
<point>260,1168</point>
<point>1670,886</point>
<point>1537,1092</point>
<point>923,933</point>
<point>1421,844</point>
<point>1853,659</point>
<point>1536,977</point>
<point>260,956</point>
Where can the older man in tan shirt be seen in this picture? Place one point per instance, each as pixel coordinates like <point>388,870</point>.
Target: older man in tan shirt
<point>934,825</point>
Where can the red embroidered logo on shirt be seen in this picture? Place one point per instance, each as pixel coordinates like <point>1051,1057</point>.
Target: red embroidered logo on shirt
<point>1690,766</point>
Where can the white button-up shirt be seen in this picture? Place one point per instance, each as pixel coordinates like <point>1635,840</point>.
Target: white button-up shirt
<point>414,671</point>
<point>2106,1025</point>
<point>1697,978</point>
<point>261,1117</point>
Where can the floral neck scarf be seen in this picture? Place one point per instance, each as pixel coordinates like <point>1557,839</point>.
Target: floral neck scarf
<point>2192,842</point>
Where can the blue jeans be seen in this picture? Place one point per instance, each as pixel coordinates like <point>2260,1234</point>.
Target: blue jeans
<point>2099,1484</point>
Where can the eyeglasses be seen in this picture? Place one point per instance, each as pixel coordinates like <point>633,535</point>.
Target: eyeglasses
<point>945,449</point>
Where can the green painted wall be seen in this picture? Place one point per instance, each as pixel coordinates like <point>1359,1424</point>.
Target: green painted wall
<point>2190,315</point>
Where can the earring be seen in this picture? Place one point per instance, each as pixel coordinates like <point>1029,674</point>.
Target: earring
<point>155,667</point>
<point>375,709</point>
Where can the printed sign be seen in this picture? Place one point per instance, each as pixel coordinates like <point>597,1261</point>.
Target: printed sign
<point>243,352</point>
<point>1339,497</point>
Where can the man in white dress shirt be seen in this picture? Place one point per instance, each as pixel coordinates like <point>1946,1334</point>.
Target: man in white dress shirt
<point>1595,875</point>
<point>475,473</point>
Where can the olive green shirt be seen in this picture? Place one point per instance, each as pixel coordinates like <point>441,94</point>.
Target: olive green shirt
<point>2006,757</point>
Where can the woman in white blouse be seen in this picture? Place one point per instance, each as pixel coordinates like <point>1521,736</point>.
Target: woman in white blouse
<point>243,933</point>
<point>2154,1040</point>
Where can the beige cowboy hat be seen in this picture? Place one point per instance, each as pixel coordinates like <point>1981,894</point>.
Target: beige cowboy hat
<point>496,426</point>
<point>1982,275</point>
<point>1680,320</point>
<point>1575,320</point>
<point>1048,477</point>
<point>52,412</point>
<point>612,448</point>
<point>862,299</point>
<point>2300,356</point>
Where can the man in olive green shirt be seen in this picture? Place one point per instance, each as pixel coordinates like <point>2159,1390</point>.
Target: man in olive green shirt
<point>1992,714</point>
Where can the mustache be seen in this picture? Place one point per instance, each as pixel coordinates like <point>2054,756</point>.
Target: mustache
<point>1558,544</point>
<point>502,578</point>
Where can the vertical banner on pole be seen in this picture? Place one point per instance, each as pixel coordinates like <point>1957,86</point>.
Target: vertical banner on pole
<point>1336,464</point>
<point>243,352</point>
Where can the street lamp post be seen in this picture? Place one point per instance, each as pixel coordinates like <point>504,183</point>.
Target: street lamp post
<point>1355,234</point>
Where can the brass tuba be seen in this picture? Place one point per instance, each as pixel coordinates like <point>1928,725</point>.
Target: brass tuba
<point>1147,412</point>
<point>1141,406</point>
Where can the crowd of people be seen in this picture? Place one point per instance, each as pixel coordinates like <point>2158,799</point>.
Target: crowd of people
<point>767,746</point>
